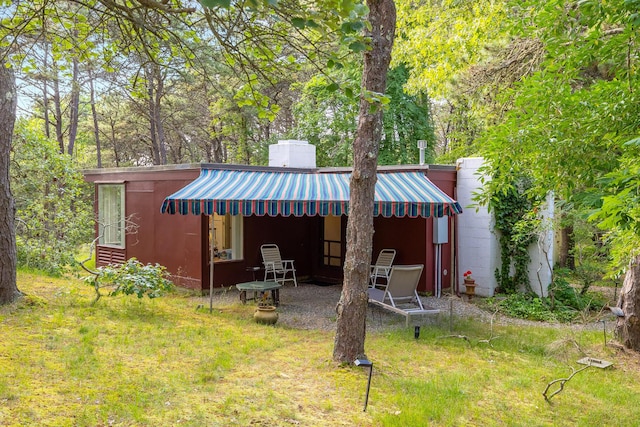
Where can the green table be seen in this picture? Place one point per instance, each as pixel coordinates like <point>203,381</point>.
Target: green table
<point>260,286</point>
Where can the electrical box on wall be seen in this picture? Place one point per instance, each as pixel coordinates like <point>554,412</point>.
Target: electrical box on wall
<point>441,230</point>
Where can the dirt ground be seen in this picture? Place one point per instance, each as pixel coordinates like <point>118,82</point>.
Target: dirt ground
<point>311,306</point>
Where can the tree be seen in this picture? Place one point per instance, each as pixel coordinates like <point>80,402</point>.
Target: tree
<point>628,325</point>
<point>578,101</point>
<point>8,101</point>
<point>352,307</point>
<point>53,202</point>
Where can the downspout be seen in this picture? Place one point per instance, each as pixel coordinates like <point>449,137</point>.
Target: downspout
<point>455,285</point>
<point>212,237</point>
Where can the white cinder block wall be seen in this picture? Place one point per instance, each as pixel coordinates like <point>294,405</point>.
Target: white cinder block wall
<point>478,245</point>
<point>541,253</point>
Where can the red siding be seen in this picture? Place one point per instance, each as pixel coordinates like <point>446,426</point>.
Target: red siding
<point>179,242</point>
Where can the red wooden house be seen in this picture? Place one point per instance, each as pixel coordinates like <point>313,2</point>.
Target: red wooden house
<point>178,215</point>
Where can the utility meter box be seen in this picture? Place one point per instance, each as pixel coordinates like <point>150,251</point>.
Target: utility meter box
<point>441,230</point>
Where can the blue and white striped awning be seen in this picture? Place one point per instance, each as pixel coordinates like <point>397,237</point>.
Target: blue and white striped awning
<point>241,192</point>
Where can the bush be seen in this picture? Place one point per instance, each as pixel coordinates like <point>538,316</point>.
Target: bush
<point>53,203</point>
<point>563,304</point>
<point>131,278</point>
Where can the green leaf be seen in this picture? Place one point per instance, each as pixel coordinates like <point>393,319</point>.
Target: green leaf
<point>358,46</point>
<point>352,27</point>
<point>216,3</point>
<point>635,141</point>
<point>333,87</point>
<point>298,22</point>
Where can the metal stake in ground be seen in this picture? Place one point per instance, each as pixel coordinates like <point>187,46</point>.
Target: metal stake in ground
<point>366,363</point>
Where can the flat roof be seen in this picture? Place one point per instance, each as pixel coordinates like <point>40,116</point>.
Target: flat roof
<point>229,166</point>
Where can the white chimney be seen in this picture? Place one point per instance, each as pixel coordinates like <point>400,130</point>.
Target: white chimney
<point>291,153</point>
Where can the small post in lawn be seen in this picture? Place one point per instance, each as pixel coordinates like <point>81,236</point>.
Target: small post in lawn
<point>365,362</point>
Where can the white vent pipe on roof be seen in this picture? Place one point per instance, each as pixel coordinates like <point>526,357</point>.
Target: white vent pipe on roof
<point>422,145</point>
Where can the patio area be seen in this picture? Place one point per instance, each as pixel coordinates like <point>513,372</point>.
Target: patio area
<point>311,306</point>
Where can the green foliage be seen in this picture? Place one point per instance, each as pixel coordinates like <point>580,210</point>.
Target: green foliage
<point>619,214</point>
<point>406,120</point>
<point>438,40</point>
<point>525,306</point>
<point>327,117</point>
<point>131,278</point>
<point>587,64</point>
<point>53,203</point>
<point>563,304</point>
<point>517,225</point>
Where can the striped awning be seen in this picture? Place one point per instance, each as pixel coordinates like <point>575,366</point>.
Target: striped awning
<point>241,192</point>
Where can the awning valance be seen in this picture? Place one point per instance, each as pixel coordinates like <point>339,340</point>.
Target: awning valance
<point>241,192</point>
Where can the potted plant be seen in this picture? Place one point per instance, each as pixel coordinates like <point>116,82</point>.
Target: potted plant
<point>469,283</point>
<point>265,312</point>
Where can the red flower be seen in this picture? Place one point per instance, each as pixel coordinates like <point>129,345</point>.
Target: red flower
<point>467,274</point>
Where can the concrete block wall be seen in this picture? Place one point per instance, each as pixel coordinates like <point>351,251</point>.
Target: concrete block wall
<point>478,244</point>
<point>542,252</point>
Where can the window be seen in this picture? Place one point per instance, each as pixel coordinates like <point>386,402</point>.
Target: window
<point>226,235</point>
<point>332,240</point>
<point>111,226</point>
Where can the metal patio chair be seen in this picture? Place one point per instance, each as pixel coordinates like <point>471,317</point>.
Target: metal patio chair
<point>382,267</point>
<point>277,267</point>
<point>400,295</point>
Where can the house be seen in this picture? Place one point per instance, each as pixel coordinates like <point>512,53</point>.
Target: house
<point>181,216</point>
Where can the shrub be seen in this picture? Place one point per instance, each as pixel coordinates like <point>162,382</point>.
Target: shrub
<point>563,304</point>
<point>53,203</point>
<point>130,278</point>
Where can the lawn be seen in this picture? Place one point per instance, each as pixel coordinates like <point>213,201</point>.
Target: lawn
<point>164,362</point>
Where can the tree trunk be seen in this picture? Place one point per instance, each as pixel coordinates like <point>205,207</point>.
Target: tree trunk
<point>8,101</point>
<point>58,108</point>
<point>162,145</point>
<point>628,327</point>
<point>155,149</point>
<point>45,94</point>
<point>565,259</point>
<point>74,106</point>
<point>352,307</point>
<point>94,115</point>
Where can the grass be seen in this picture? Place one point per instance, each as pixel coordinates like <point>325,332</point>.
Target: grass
<point>140,362</point>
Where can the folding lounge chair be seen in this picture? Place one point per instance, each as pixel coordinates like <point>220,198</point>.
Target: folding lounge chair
<point>400,295</point>
<point>277,267</point>
<point>382,267</point>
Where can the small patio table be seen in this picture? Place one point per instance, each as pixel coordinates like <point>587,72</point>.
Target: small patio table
<point>261,286</point>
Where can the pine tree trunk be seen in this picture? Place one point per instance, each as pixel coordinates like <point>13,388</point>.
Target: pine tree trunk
<point>74,106</point>
<point>628,327</point>
<point>94,115</point>
<point>8,99</point>
<point>57,105</point>
<point>352,307</point>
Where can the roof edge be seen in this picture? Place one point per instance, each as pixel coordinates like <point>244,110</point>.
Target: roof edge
<point>228,166</point>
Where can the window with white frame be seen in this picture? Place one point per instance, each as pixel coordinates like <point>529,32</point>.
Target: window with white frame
<point>226,236</point>
<point>111,213</point>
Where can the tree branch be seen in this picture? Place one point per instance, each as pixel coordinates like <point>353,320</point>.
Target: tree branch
<point>562,382</point>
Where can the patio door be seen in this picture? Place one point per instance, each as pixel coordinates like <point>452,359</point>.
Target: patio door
<point>333,244</point>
